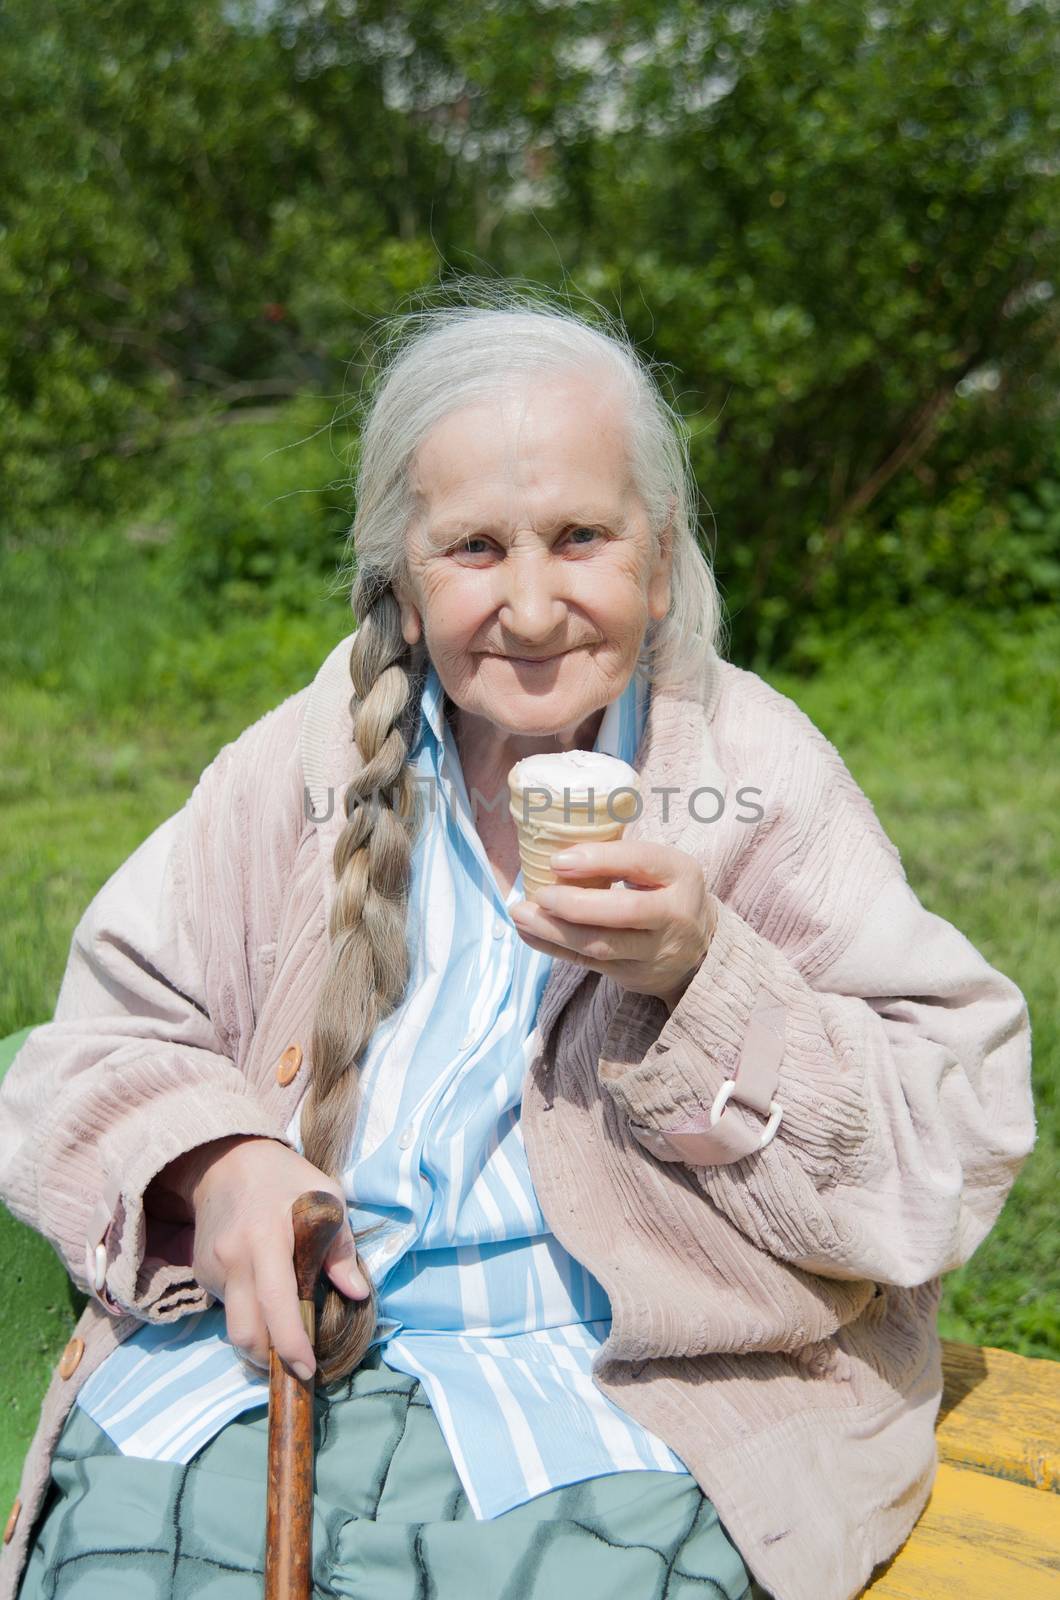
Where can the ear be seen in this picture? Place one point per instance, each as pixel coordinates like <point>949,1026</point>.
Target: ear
<point>411,621</point>
<point>661,568</point>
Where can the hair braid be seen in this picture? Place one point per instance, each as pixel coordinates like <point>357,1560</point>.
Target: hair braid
<point>368,963</point>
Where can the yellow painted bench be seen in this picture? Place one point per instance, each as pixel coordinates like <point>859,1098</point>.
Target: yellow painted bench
<point>991,1530</point>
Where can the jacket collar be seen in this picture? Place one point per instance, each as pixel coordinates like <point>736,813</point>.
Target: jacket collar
<point>676,753</point>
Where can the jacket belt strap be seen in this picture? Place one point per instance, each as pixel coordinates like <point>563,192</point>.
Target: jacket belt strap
<point>711,1138</point>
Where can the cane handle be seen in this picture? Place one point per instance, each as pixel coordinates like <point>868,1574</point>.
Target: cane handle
<point>316,1217</point>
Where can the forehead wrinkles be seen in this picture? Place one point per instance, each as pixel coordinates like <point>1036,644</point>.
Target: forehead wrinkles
<point>472,472</point>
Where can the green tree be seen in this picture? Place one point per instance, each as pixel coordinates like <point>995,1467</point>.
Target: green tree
<point>834,222</point>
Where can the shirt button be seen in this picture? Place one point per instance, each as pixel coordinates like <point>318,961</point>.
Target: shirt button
<point>70,1359</point>
<point>288,1065</point>
<point>9,1528</point>
<point>467,1041</point>
<point>406,1137</point>
<point>498,930</point>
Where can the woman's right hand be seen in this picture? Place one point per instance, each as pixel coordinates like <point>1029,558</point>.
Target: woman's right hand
<point>240,1191</point>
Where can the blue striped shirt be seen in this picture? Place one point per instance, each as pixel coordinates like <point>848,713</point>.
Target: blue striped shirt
<point>476,1296</point>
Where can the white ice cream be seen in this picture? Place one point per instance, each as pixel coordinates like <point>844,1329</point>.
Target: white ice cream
<point>573,772</point>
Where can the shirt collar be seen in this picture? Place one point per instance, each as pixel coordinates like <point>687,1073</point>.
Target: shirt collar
<point>432,707</point>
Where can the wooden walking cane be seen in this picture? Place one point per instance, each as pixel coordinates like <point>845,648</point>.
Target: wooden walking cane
<point>317,1217</point>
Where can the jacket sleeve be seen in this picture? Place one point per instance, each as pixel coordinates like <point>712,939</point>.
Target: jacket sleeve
<point>133,1070</point>
<point>878,1103</point>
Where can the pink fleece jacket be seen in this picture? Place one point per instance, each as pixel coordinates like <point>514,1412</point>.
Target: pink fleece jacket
<point>774,1307</point>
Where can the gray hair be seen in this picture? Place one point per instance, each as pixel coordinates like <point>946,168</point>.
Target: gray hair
<point>435,361</point>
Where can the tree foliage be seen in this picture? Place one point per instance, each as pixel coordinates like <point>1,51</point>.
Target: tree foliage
<point>834,225</point>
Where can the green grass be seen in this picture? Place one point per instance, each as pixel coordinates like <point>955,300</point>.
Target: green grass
<point>945,724</point>
<point>948,730</point>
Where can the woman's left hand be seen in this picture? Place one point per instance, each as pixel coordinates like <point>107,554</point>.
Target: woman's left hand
<point>650,938</point>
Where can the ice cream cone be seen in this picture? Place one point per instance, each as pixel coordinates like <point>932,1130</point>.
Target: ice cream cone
<point>567,798</point>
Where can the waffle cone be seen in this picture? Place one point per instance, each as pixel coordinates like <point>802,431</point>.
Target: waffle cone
<point>544,831</point>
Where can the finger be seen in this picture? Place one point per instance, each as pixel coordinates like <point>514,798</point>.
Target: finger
<point>603,908</point>
<point>247,1330</point>
<point>342,1266</point>
<point>636,860</point>
<point>618,970</point>
<point>559,950</point>
<point>595,942</point>
<point>277,1291</point>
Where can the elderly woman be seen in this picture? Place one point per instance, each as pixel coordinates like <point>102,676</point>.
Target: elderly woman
<point>653,1179</point>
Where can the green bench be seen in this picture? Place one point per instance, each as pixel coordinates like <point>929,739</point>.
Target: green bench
<point>36,1317</point>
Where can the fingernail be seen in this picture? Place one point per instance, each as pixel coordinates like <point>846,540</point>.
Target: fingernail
<point>350,1283</point>
<point>567,858</point>
<point>300,1370</point>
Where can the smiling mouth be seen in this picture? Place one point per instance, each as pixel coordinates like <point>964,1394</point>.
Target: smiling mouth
<point>534,661</point>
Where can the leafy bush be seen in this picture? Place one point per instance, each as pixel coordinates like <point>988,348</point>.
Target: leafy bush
<point>253,515</point>
<point>835,224</point>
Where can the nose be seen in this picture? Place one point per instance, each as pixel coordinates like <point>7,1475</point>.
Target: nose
<point>533,609</point>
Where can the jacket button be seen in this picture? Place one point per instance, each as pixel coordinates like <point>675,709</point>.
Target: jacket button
<point>289,1063</point>
<point>70,1359</point>
<point>9,1526</point>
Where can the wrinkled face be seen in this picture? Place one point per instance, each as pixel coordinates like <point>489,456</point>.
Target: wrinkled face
<point>532,577</point>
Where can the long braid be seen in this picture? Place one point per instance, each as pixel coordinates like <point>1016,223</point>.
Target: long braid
<point>368,963</point>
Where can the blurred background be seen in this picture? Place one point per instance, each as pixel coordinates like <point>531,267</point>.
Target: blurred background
<point>836,227</point>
